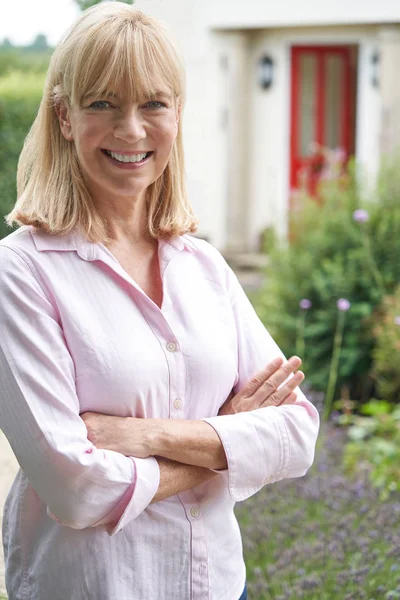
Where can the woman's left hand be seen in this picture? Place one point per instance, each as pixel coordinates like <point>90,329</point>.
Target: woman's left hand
<point>126,435</point>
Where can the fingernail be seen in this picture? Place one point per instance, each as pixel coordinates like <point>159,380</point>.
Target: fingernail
<point>299,375</point>
<point>294,360</point>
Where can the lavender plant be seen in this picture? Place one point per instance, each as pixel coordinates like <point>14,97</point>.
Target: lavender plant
<point>343,306</point>
<point>304,305</point>
<point>325,536</point>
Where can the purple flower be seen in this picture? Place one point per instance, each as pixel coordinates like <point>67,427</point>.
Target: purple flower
<point>397,320</point>
<point>360,215</point>
<point>343,304</point>
<point>305,304</point>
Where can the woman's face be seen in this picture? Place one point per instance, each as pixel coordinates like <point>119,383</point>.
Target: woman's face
<point>122,146</point>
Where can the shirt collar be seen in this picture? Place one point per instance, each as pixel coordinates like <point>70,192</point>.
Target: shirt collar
<point>77,241</point>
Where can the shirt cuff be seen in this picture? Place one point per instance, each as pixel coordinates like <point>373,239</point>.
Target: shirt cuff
<point>145,483</point>
<point>256,445</point>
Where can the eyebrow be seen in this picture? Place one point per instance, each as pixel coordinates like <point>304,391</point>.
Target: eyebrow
<point>148,96</point>
<point>160,93</point>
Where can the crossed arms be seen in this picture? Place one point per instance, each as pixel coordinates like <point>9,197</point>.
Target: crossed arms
<point>187,450</point>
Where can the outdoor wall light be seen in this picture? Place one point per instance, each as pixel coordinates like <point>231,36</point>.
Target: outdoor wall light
<point>265,72</point>
<point>375,69</point>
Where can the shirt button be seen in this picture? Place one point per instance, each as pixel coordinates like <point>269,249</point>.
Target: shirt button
<point>177,404</point>
<point>171,347</point>
<point>194,512</point>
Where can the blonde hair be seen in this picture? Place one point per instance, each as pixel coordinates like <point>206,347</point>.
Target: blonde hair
<point>112,46</point>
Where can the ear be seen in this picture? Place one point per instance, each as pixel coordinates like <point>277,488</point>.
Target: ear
<point>178,113</point>
<point>63,114</point>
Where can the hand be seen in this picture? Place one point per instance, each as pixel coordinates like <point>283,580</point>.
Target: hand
<point>262,389</point>
<point>126,435</point>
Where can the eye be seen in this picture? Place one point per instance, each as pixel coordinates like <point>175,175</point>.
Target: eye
<point>100,104</point>
<point>154,104</point>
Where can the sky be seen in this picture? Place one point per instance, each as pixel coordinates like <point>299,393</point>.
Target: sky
<point>22,20</point>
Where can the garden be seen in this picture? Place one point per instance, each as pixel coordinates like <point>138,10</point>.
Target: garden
<point>332,295</point>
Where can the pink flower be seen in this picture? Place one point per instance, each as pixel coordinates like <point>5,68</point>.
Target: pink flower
<point>360,215</point>
<point>340,155</point>
<point>397,320</point>
<point>305,304</point>
<point>343,304</point>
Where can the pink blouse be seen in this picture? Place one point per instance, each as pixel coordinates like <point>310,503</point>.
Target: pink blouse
<point>78,334</point>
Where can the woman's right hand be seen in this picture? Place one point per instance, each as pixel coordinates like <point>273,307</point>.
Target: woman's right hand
<point>262,389</point>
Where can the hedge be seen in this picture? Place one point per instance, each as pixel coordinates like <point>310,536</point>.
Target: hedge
<point>20,95</point>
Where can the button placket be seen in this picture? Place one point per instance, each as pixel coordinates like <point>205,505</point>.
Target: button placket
<point>200,575</point>
<point>177,371</point>
<point>173,353</point>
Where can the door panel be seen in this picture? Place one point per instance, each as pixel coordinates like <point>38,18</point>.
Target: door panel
<point>322,110</point>
<point>333,109</point>
<point>307,103</point>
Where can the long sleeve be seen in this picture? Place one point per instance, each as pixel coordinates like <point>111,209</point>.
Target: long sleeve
<point>81,485</point>
<point>268,444</point>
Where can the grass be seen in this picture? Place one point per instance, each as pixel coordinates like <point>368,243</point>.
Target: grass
<point>323,536</point>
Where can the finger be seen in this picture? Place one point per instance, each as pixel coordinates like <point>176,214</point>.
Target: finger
<point>255,382</point>
<point>278,396</point>
<point>269,386</point>
<point>291,384</point>
<point>290,399</point>
<point>289,369</point>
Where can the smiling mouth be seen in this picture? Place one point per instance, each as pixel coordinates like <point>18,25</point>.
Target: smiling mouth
<point>128,158</point>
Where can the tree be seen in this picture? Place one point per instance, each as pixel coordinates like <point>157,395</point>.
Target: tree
<point>84,4</point>
<point>39,44</point>
<point>6,44</point>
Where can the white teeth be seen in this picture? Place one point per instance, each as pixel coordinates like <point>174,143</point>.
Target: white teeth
<point>128,158</point>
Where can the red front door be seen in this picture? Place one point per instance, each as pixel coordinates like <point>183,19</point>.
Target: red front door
<point>323,99</point>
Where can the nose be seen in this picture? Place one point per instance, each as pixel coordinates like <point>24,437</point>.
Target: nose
<point>130,126</point>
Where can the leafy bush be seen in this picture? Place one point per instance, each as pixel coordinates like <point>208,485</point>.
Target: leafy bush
<point>386,352</point>
<point>20,95</point>
<point>331,256</point>
<point>375,443</point>
<point>22,61</point>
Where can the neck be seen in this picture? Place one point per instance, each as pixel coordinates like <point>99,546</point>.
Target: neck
<point>127,220</point>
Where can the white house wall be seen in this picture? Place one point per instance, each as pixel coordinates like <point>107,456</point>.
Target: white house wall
<point>288,13</point>
<point>390,89</point>
<point>259,141</point>
<point>369,113</point>
<point>269,125</point>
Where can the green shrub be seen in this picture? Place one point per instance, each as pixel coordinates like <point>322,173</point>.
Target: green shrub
<point>387,348</point>
<point>20,95</point>
<point>332,256</point>
<point>16,59</point>
<point>374,441</point>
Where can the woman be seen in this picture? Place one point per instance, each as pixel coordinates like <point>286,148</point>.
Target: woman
<point>129,351</point>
